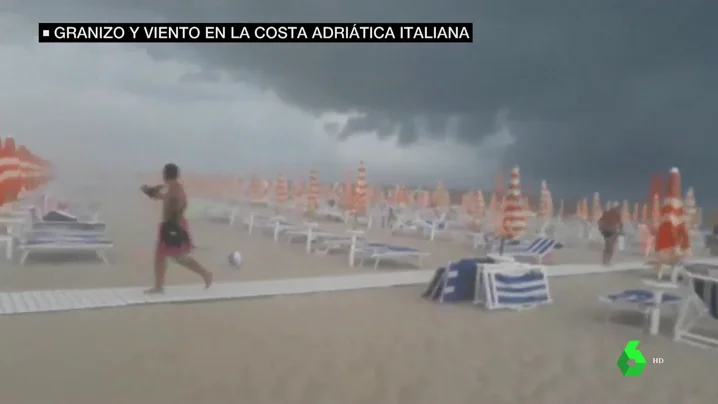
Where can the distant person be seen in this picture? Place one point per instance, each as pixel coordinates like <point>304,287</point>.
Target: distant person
<point>174,240</point>
<point>611,227</point>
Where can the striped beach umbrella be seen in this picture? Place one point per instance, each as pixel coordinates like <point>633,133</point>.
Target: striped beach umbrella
<point>582,209</point>
<point>313,192</point>
<point>596,208</point>
<point>672,240</point>
<point>655,219</point>
<point>691,210</point>
<point>281,190</point>
<point>10,180</point>
<point>494,206</point>
<point>479,209</point>
<point>626,212</point>
<point>360,191</point>
<point>297,189</point>
<point>255,187</point>
<point>545,208</point>
<point>514,221</point>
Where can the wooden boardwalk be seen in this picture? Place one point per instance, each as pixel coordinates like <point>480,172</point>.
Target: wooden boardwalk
<point>76,299</point>
<point>42,301</point>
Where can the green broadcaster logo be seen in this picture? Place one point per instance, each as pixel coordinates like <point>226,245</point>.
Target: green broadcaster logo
<point>631,354</point>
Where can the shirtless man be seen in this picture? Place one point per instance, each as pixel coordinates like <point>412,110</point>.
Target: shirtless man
<point>611,226</point>
<point>174,240</point>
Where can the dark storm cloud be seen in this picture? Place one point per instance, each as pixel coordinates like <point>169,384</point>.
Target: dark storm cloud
<point>604,87</point>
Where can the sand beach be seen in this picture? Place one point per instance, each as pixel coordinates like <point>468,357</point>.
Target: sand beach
<point>378,346</point>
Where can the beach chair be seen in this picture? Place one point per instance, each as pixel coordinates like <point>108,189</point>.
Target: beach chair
<point>697,322</point>
<point>53,242</point>
<point>332,243</point>
<point>309,234</point>
<point>429,228</point>
<point>538,249</point>
<point>639,300</point>
<point>379,251</point>
<point>274,225</point>
<point>512,286</point>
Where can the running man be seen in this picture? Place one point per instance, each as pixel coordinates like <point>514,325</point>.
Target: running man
<point>173,240</point>
<point>610,226</point>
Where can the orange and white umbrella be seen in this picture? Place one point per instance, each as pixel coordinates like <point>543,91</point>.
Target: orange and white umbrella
<point>440,196</point>
<point>313,193</point>
<point>360,191</point>
<point>596,209</point>
<point>479,208</point>
<point>672,240</point>
<point>545,208</point>
<point>348,190</point>
<point>691,210</point>
<point>514,223</point>
<point>626,212</point>
<point>655,212</point>
<point>281,190</point>
<point>297,189</point>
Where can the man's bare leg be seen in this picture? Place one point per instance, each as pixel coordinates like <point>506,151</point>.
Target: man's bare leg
<point>160,271</point>
<point>610,244</point>
<point>190,263</point>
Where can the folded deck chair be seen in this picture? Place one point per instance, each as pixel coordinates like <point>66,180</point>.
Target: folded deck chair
<point>513,286</point>
<point>538,249</point>
<point>58,242</point>
<point>697,322</point>
<point>639,300</point>
<point>379,251</point>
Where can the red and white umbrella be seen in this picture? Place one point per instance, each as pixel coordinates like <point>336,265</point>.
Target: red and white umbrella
<point>672,240</point>
<point>514,222</point>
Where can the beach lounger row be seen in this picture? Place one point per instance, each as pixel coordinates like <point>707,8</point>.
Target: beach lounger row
<point>59,232</point>
<point>353,243</point>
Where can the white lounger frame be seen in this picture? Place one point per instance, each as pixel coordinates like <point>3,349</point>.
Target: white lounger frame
<point>99,249</point>
<point>693,311</point>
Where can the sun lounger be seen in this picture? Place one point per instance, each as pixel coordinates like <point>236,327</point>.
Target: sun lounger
<point>698,315</point>
<point>35,242</point>
<point>638,300</point>
<point>68,227</point>
<point>538,249</point>
<point>512,286</point>
<point>309,234</point>
<point>276,225</point>
<point>379,251</point>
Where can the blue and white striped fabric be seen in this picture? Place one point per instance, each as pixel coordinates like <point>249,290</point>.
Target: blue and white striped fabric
<point>539,247</point>
<point>691,324</point>
<point>706,290</point>
<point>381,248</point>
<point>638,297</point>
<point>515,287</point>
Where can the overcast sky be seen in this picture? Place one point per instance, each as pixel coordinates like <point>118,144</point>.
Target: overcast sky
<point>590,95</point>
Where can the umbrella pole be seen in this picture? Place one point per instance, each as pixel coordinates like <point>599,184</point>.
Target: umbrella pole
<point>501,245</point>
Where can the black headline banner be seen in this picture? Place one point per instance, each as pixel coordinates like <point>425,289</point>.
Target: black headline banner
<point>254,32</point>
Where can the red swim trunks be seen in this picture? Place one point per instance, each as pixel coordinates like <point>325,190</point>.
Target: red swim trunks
<point>163,251</point>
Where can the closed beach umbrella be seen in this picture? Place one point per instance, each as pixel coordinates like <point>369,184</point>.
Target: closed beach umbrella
<point>672,240</point>
<point>514,223</point>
